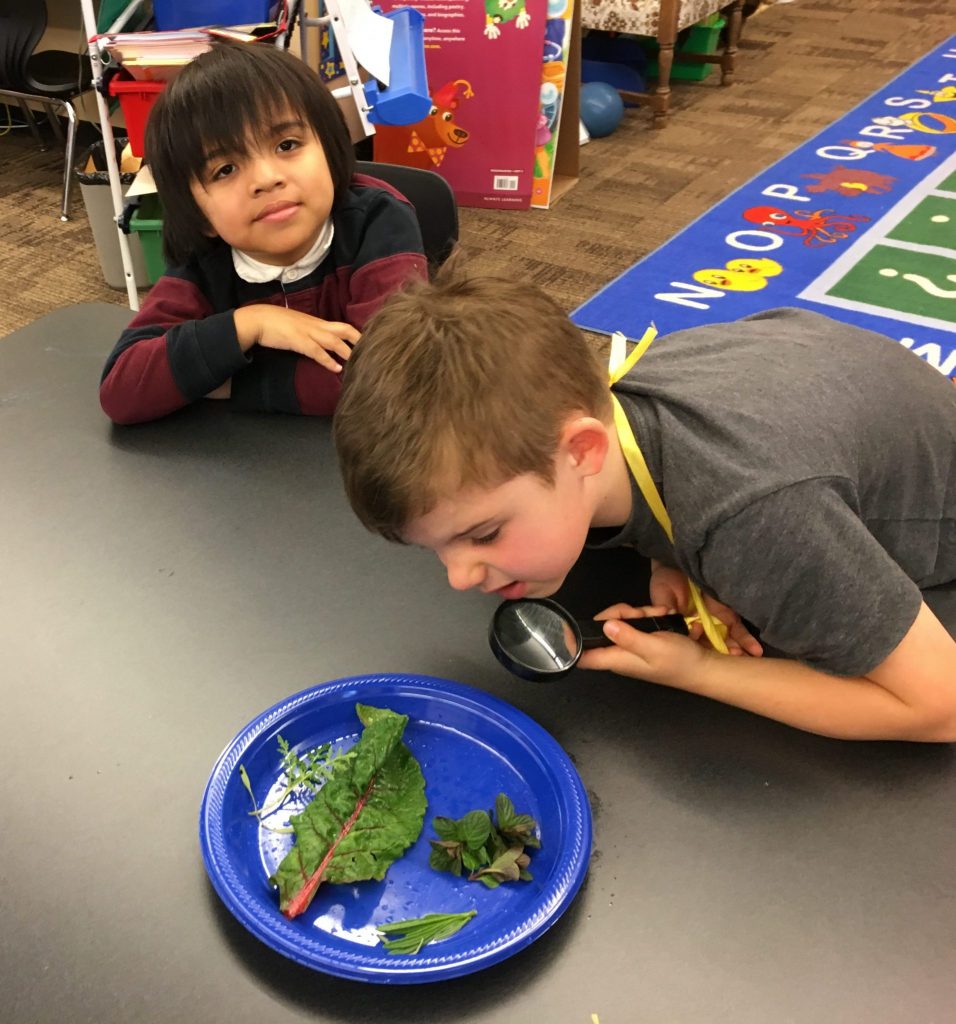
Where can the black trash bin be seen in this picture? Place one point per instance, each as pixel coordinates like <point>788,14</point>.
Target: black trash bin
<point>94,185</point>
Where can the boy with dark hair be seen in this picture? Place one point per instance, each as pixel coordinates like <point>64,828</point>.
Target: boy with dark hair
<point>797,471</point>
<point>279,253</point>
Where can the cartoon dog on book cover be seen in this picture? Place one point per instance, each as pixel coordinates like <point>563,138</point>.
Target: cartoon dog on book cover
<point>426,143</point>
<point>499,12</point>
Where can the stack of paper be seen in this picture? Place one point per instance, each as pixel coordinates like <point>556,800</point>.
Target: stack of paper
<point>155,56</point>
<point>158,56</point>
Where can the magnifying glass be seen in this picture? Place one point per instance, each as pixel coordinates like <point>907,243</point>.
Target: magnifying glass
<point>537,639</point>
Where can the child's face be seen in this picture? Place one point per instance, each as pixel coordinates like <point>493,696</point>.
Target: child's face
<point>271,201</point>
<point>519,539</point>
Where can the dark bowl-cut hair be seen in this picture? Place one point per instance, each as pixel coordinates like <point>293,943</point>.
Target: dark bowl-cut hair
<point>212,105</point>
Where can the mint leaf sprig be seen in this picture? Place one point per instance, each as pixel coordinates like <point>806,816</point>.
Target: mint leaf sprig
<point>490,845</point>
<point>416,932</point>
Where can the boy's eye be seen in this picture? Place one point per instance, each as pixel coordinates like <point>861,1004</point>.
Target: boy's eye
<point>222,171</point>
<point>488,538</point>
<point>287,145</point>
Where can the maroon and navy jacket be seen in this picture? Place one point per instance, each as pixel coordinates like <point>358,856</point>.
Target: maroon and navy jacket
<point>182,344</point>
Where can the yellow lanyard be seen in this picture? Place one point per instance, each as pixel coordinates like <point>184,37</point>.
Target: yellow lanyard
<point>714,629</point>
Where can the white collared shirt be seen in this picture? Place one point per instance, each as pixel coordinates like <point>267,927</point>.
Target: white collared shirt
<point>258,273</point>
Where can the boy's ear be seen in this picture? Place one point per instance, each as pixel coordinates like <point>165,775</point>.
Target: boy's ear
<point>585,441</point>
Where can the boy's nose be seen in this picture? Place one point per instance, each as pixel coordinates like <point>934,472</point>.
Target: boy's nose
<point>266,175</point>
<point>463,573</point>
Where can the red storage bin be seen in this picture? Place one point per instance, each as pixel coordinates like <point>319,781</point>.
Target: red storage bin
<point>136,98</point>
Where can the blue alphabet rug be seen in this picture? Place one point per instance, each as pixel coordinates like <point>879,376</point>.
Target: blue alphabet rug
<point>858,223</point>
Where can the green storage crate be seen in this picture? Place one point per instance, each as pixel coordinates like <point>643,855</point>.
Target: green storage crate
<point>147,222</point>
<point>703,37</point>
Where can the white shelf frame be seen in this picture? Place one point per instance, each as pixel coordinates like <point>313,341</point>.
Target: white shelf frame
<point>109,145</point>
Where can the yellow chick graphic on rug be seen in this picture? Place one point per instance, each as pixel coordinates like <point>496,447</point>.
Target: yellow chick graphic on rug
<point>945,95</point>
<point>743,275</point>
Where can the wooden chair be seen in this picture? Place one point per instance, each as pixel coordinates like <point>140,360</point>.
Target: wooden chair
<point>664,19</point>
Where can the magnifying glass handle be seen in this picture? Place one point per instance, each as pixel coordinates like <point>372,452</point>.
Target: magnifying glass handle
<point>592,632</point>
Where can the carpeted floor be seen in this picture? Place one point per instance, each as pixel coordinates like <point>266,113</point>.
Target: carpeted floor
<point>801,66</point>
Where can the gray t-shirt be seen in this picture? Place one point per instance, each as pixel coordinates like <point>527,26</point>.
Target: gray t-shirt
<point>809,470</point>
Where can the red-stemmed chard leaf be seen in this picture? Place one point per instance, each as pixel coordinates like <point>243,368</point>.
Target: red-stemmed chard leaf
<point>362,820</point>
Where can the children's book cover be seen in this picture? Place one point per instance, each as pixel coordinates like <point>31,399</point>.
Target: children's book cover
<point>556,165</point>
<point>484,77</point>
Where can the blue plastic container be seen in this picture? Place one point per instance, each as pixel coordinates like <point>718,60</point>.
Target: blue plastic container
<point>172,14</point>
<point>621,76</point>
<point>406,99</point>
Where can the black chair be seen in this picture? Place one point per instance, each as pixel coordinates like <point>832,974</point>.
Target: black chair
<point>50,76</point>
<point>433,200</point>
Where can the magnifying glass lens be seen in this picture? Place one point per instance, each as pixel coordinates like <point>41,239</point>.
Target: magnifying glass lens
<point>537,639</point>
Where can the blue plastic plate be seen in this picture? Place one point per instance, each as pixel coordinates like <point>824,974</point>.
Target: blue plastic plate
<point>471,746</point>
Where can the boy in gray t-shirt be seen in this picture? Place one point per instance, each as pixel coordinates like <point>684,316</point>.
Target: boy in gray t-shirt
<point>807,467</point>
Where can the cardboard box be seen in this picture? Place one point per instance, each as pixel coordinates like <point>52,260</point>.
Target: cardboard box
<point>557,142</point>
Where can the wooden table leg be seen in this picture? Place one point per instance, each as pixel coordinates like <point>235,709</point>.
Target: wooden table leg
<point>666,37</point>
<point>728,61</point>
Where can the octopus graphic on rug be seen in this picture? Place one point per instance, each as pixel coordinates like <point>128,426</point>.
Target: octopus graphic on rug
<point>816,227</point>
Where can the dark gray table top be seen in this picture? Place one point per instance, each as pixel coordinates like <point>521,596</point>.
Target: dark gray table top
<point>162,585</point>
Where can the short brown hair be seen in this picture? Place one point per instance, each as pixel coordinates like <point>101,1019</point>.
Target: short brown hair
<point>211,105</point>
<point>464,381</point>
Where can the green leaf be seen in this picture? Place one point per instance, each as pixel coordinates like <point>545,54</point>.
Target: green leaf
<point>463,842</point>
<point>444,857</point>
<point>504,811</point>
<point>365,817</point>
<point>515,828</point>
<point>495,846</point>
<point>305,775</point>
<point>244,778</point>
<point>474,829</point>
<point>413,934</point>
<point>490,845</point>
<point>472,860</point>
<point>446,828</point>
<point>505,868</point>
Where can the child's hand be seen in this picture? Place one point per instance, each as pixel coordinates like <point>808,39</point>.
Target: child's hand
<point>294,331</point>
<point>667,658</point>
<point>668,587</point>
<point>739,639</point>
